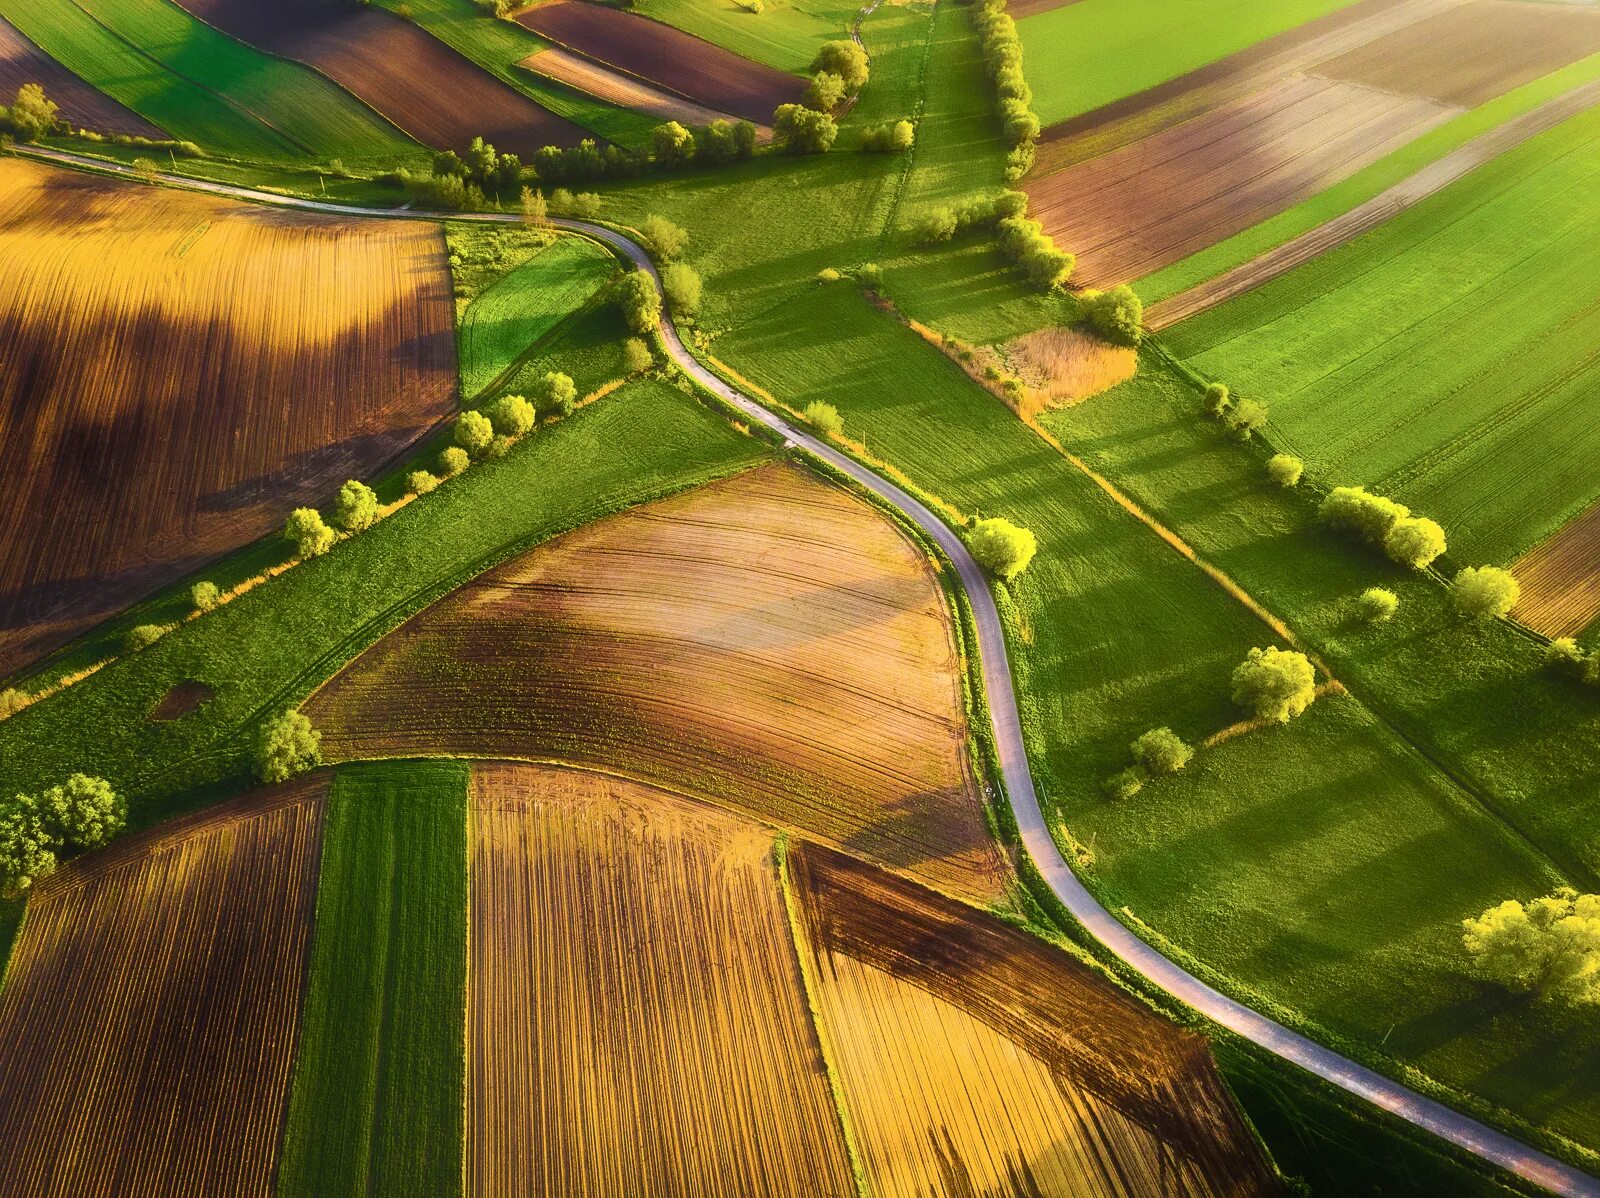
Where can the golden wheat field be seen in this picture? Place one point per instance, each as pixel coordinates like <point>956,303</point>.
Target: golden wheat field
<point>636,1023</point>
<point>767,641</point>
<point>976,1054</point>
<point>151,1007</point>
<point>181,371</point>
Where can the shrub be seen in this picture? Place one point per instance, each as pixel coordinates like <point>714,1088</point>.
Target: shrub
<point>356,507</point>
<point>640,301</point>
<point>12,701</point>
<point>472,432</point>
<point>889,137</point>
<point>33,114</point>
<point>666,238</point>
<point>1116,315</point>
<point>512,415</point>
<point>311,536</point>
<point>935,226</point>
<point>84,812</point>
<point>1285,469</point>
<point>681,283</point>
<point>870,275</point>
<point>205,596</point>
<point>1124,784</point>
<point>1161,751</point>
<point>143,636</point>
<point>671,145</point>
<point>28,846</point>
<point>845,59</point>
<point>498,448</point>
<point>824,417</point>
<point>1218,399</point>
<point>1480,592</point>
<point>286,746</point>
<point>1274,684</point>
<point>1377,604</point>
<point>1001,547</point>
<point>1415,541</point>
<point>1562,655</point>
<point>636,356</point>
<point>420,482</point>
<point>1549,947</point>
<point>452,461</point>
<point>1358,511</point>
<point>799,130</point>
<point>824,92</point>
<point>829,274</point>
<point>557,393</point>
<point>1246,418</point>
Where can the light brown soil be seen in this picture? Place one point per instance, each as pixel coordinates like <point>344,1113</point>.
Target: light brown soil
<point>767,641</point>
<point>637,1023</point>
<point>23,62</point>
<point>181,371</point>
<point>1560,579</point>
<point>1146,205</point>
<point>975,1053</point>
<point>669,58</point>
<point>614,87</point>
<point>152,1004</point>
<point>437,96</point>
<point>182,699</point>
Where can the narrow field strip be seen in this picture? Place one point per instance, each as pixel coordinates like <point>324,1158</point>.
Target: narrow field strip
<point>23,62</point>
<point>1560,578</point>
<point>600,81</point>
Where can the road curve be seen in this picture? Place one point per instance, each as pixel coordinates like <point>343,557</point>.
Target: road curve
<point>1417,1109</point>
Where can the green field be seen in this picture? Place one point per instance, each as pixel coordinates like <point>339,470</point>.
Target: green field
<point>509,317</point>
<point>1080,56</point>
<point>203,86</point>
<point>1449,357</point>
<point>376,1104</point>
<point>784,34</point>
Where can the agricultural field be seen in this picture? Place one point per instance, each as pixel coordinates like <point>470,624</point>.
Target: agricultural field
<point>150,1010</point>
<point>824,695</point>
<point>785,34</point>
<point>614,87</point>
<point>666,57</point>
<point>23,62</point>
<point>128,490</point>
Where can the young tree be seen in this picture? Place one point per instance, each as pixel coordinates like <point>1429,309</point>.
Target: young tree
<point>844,59</point>
<point>286,746</point>
<point>825,91</point>
<point>800,130</point>
<point>473,432</point>
<point>1549,948</point>
<point>1480,592</point>
<point>205,596</point>
<point>452,461</point>
<point>1285,469</point>
<point>535,211</point>
<point>640,301</point>
<point>143,636</point>
<point>557,393</point>
<point>84,812</point>
<point>671,145</point>
<point>1414,541</point>
<point>512,415</point>
<point>1161,751</point>
<point>681,284</point>
<point>1245,417</point>
<point>356,507</point>
<point>310,535</point>
<point>636,356</point>
<point>1001,547</point>
<point>824,417</point>
<point>33,114</point>
<point>28,847</point>
<point>666,238</point>
<point>1562,655</point>
<point>1218,399</point>
<point>1377,604</point>
<point>1274,684</point>
<point>1117,315</point>
<point>420,482</point>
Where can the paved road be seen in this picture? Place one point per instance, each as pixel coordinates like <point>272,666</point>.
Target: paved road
<point>1423,1112</point>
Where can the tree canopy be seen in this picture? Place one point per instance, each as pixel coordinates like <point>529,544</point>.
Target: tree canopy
<point>1001,547</point>
<point>1549,947</point>
<point>1274,684</point>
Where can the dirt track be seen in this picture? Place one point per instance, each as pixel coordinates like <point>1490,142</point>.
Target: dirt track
<point>23,62</point>
<point>669,58</point>
<point>419,83</point>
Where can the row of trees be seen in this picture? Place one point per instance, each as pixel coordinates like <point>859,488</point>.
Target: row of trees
<point>1002,58</point>
<point>1413,541</point>
<point>37,831</point>
<point>1020,239</point>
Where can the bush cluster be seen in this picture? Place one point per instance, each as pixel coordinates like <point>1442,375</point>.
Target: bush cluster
<point>1116,315</point>
<point>665,238</point>
<point>845,60</point>
<point>558,394</point>
<point>681,284</point>
<point>1245,418</point>
<point>1377,604</point>
<point>978,212</point>
<point>1002,58</point>
<point>1025,242</point>
<point>797,129</point>
<point>1285,469</point>
<point>1413,541</point>
<point>1562,656</point>
<point>1483,592</point>
<point>32,114</point>
<point>1161,751</point>
<point>824,417</point>
<point>889,137</point>
<point>1274,684</point>
<point>37,830</point>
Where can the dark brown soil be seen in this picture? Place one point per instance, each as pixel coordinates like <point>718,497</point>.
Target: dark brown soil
<point>23,62</point>
<point>181,700</point>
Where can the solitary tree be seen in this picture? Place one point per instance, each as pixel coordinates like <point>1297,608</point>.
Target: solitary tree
<point>512,415</point>
<point>1274,684</point>
<point>666,238</point>
<point>28,846</point>
<point>1377,604</point>
<point>557,393</point>
<point>143,636</point>
<point>1001,547</point>
<point>1562,656</point>
<point>1285,469</point>
<point>1549,947</point>
<point>1480,592</point>
<point>640,301</point>
<point>420,482</point>
<point>311,536</point>
<point>825,418</point>
<point>356,508</point>
<point>1414,541</point>
<point>205,596</point>
<point>1161,751</point>
<point>1117,315</point>
<point>286,746</point>
<point>473,432</point>
<point>681,283</point>
<point>636,356</point>
<point>452,461</point>
<point>84,812</point>
<point>1246,417</point>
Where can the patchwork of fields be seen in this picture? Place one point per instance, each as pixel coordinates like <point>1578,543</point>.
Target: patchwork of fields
<point>23,62</point>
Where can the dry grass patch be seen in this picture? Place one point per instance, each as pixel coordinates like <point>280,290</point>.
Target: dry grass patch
<point>767,641</point>
<point>636,1018</point>
<point>152,1004</point>
<point>1063,366</point>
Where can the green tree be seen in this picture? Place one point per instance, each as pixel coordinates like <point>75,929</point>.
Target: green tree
<point>1274,684</point>
<point>535,211</point>
<point>935,225</point>
<point>205,596</point>
<point>512,415</point>
<point>28,846</point>
<point>1480,592</point>
<point>1116,315</point>
<point>825,91</point>
<point>1245,417</point>
<point>681,283</point>
<point>666,238</point>
<point>1415,541</point>
<point>286,746</point>
<point>473,432</point>
<point>33,114</point>
<point>824,417</point>
<point>356,507</point>
<point>143,636</point>
<point>420,482</point>
<point>1124,784</point>
<point>1377,604</point>
<point>1562,655</point>
<point>844,59</point>
<point>84,812</point>
<point>1218,399</point>
<point>1549,947</point>
<point>557,393</point>
<point>310,535</point>
<point>672,145</point>
<point>640,301</point>
<point>1356,510</point>
<point>1161,751</point>
<point>452,461</point>
<point>1001,547</point>
<point>636,356</point>
<point>800,130</point>
<point>1285,469</point>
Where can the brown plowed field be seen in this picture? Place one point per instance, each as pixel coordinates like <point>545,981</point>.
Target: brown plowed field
<point>1028,8</point>
<point>978,1054</point>
<point>1146,205</point>
<point>151,1009</point>
<point>596,79</point>
<point>437,96</point>
<point>767,641</point>
<point>666,57</point>
<point>181,370</point>
<point>23,62</point>
<point>1561,579</point>
<point>1473,53</point>
<point>636,1019</point>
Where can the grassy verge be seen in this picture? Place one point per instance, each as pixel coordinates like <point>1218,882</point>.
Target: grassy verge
<point>376,1104</point>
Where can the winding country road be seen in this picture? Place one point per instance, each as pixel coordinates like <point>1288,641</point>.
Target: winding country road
<point>1422,1112</point>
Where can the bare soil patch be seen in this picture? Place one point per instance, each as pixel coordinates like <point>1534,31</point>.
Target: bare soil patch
<point>182,699</point>
<point>669,58</point>
<point>152,1004</point>
<point>767,641</point>
<point>182,371</point>
<point>1561,578</point>
<point>437,96</point>
<point>600,81</point>
<point>636,1020</point>
<point>23,62</point>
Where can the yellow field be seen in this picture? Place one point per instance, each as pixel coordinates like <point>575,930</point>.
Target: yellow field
<point>180,371</point>
<point>767,641</point>
<point>150,1013</point>
<point>636,1023</point>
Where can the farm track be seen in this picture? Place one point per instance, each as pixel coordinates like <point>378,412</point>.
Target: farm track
<point>1313,243</point>
<point>1394,1097</point>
